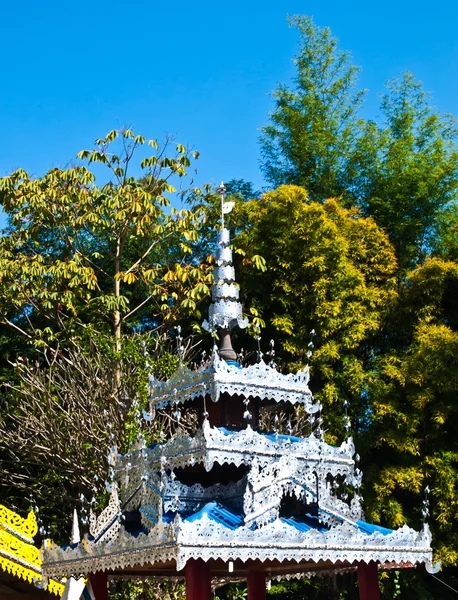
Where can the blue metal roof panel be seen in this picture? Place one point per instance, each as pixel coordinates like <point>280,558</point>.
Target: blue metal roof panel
<point>304,526</point>
<point>216,512</point>
<point>370,528</point>
<point>273,437</point>
<point>219,514</point>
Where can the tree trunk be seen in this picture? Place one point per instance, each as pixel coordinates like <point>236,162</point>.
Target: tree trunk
<point>117,291</point>
<point>117,314</point>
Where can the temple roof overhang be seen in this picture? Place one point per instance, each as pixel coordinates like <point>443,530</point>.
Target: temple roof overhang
<point>212,445</point>
<point>218,376</point>
<point>241,521</point>
<point>216,534</point>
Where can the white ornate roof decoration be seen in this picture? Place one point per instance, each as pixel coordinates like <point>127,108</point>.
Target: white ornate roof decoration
<point>235,494</point>
<point>280,540</point>
<point>225,310</point>
<point>205,536</point>
<point>239,520</point>
<point>279,465</point>
<point>75,536</point>
<point>217,445</point>
<point>217,376</point>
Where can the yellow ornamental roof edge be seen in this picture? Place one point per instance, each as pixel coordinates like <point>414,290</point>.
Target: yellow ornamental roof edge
<point>18,570</point>
<point>26,528</point>
<point>18,554</point>
<point>18,549</point>
<point>33,577</point>
<point>55,587</point>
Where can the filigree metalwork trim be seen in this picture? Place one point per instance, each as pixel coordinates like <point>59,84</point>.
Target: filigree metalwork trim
<point>206,539</point>
<point>216,377</point>
<point>10,545</point>
<point>18,555</point>
<point>213,445</point>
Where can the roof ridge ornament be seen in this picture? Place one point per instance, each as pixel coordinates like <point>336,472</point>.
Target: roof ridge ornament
<point>225,311</point>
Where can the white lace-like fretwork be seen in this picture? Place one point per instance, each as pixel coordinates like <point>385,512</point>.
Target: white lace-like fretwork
<point>207,539</point>
<point>216,377</point>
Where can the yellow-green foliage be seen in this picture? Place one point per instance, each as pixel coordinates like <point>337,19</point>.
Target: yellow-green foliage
<point>413,388</point>
<point>328,269</point>
<point>81,251</point>
<point>386,344</point>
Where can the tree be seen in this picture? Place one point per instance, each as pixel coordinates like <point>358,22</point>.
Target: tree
<point>329,270</point>
<point>78,253</point>
<point>404,172</point>
<point>241,189</point>
<point>85,268</point>
<point>147,589</point>
<point>58,419</point>
<point>446,242</point>
<point>412,442</point>
<point>61,414</point>
<point>314,126</point>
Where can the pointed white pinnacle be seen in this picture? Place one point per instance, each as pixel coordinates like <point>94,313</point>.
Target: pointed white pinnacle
<point>75,537</point>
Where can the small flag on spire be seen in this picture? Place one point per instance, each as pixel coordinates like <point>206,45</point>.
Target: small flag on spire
<point>227,207</point>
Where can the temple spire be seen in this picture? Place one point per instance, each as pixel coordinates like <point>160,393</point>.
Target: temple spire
<point>226,207</point>
<point>75,537</point>
<point>225,310</point>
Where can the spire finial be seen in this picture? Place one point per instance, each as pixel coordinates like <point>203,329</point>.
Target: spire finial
<point>226,207</point>
<point>225,310</point>
<point>222,192</point>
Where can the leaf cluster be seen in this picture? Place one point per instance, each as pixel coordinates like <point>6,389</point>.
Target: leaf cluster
<point>78,252</point>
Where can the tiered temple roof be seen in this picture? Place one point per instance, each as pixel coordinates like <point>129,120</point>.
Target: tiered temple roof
<point>232,494</point>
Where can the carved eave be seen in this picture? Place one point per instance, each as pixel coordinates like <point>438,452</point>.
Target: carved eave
<point>240,521</point>
<point>213,445</point>
<point>205,537</point>
<point>217,377</point>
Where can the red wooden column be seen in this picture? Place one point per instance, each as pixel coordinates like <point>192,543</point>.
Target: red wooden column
<point>99,583</point>
<point>368,581</point>
<point>198,580</point>
<point>256,583</point>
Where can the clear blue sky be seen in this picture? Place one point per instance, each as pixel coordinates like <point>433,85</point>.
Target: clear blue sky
<point>71,71</point>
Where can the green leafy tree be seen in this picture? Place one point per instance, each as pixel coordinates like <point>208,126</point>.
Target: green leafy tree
<point>146,589</point>
<point>59,416</point>
<point>241,189</point>
<point>86,265</point>
<point>328,269</point>
<point>314,124</point>
<point>401,170</point>
<point>412,442</point>
<point>404,172</point>
<point>78,252</point>
<point>446,242</point>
